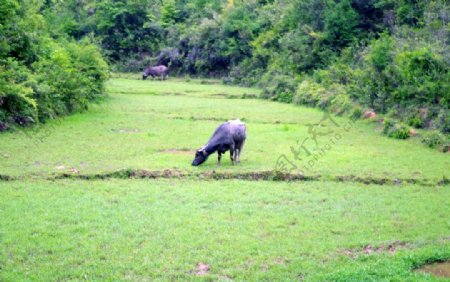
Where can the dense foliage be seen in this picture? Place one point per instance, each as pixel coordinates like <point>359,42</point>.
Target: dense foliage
<point>43,73</point>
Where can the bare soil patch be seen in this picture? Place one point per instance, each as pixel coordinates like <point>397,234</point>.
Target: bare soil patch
<point>369,249</point>
<point>440,269</point>
<point>202,269</point>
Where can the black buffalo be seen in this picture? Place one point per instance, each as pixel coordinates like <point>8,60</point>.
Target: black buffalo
<point>229,135</point>
<point>157,71</point>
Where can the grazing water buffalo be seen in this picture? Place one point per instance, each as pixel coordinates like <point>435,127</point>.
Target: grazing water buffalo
<point>157,71</point>
<point>229,135</point>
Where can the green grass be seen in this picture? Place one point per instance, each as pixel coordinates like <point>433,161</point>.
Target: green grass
<point>146,230</point>
<point>143,230</point>
<point>143,122</point>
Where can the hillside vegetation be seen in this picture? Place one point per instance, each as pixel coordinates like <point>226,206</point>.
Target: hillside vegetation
<point>351,57</point>
<point>348,56</point>
<point>43,75</point>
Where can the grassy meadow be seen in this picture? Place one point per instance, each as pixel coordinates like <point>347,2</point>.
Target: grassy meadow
<point>158,125</point>
<point>330,229</point>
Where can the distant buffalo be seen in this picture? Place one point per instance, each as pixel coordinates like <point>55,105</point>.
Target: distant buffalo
<point>157,71</point>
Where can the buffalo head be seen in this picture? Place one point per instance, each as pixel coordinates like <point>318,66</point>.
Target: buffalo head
<point>200,157</point>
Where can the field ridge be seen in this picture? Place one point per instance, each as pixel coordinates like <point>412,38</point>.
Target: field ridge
<point>265,175</point>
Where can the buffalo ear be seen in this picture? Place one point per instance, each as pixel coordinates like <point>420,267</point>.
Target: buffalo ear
<point>204,153</point>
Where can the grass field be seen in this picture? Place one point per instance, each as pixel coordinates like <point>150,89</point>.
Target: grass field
<point>330,229</point>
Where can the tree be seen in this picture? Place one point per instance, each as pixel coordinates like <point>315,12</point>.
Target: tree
<point>340,23</point>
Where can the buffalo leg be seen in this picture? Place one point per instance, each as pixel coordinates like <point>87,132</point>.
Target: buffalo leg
<point>241,145</point>
<point>232,154</point>
<point>219,157</point>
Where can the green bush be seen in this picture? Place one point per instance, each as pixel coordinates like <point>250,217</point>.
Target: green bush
<point>399,131</point>
<point>312,94</point>
<point>415,122</point>
<point>280,88</point>
<point>433,139</point>
<point>387,125</point>
<point>422,76</point>
<point>68,78</point>
<point>443,120</point>
<point>16,102</point>
<point>356,113</point>
<point>43,76</point>
<point>331,97</point>
<point>341,103</point>
<point>395,130</point>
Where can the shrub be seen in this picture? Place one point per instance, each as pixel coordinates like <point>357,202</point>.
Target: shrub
<point>248,73</point>
<point>70,77</point>
<point>433,139</point>
<point>334,97</point>
<point>64,79</point>
<point>311,93</point>
<point>399,131</point>
<point>356,113</point>
<point>387,125</point>
<point>400,74</point>
<point>422,76</point>
<point>280,88</point>
<point>395,130</point>
<point>443,120</point>
<point>341,103</point>
<point>16,101</point>
<point>415,122</point>
<point>42,73</point>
